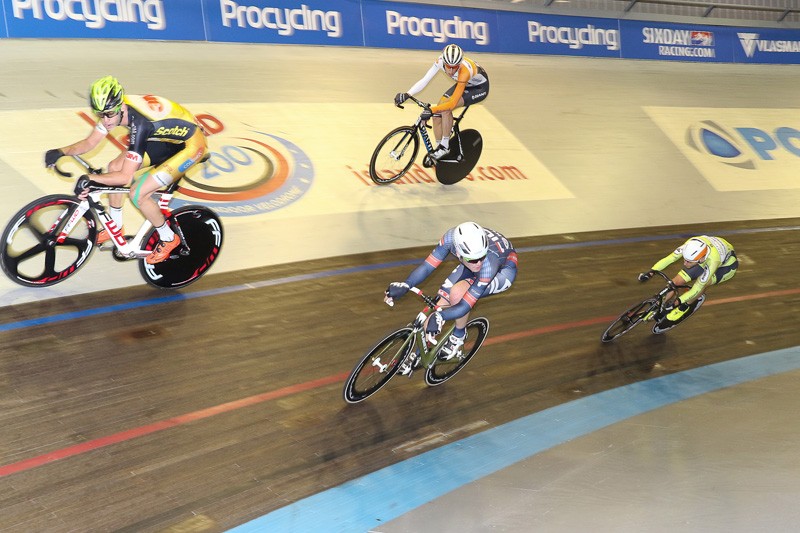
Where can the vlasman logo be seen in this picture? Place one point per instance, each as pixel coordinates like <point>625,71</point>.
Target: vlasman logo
<point>748,41</point>
<point>94,13</point>
<point>751,44</point>
<point>176,131</point>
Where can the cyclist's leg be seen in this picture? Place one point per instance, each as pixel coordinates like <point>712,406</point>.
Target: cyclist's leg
<point>453,290</point>
<point>726,271</point>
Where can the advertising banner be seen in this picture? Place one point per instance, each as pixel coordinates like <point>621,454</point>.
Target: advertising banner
<point>530,33</point>
<point>764,45</point>
<point>285,21</point>
<point>428,27</point>
<point>105,19</point>
<point>675,42</point>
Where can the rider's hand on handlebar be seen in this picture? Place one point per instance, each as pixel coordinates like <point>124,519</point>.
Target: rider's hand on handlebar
<point>434,327</point>
<point>82,186</point>
<point>396,289</point>
<point>644,276</point>
<point>426,114</point>
<point>52,156</point>
<point>400,98</point>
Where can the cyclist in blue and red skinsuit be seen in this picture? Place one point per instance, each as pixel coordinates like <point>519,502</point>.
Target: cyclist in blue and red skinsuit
<point>487,265</point>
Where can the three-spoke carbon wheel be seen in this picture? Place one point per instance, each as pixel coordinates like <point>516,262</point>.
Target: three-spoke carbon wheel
<point>629,319</point>
<point>442,370</point>
<point>203,234</point>
<point>35,254</point>
<point>394,155</point>
<point>378,366</point>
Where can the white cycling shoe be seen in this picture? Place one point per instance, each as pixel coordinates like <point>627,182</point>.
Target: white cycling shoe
<point>452,348</point>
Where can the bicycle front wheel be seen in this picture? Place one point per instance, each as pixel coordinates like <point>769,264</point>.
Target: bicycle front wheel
<point>378,366</point>
<point>35,254</point>
<point>629,319</point>
<point>394,155</point>
<point>442,370</point>
<point>202,230</point>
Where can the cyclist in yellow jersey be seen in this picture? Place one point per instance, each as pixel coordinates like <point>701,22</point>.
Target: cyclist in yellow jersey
<point>472,86</point>
<point>706,260</point>
<point>163,136</point>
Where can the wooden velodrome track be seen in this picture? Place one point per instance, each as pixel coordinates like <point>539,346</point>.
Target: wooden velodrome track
<point>202,412</point>
<point>137,410</point>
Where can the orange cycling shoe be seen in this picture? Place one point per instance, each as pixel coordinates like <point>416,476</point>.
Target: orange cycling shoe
<point>162,250</point>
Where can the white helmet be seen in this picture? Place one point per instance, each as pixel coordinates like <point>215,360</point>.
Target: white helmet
<point>470,241</point>
<point>695,250</point>
<point>452,55</point>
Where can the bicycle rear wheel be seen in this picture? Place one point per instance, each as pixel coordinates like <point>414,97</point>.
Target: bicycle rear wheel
<point>31,254</point>
<point>629,319</point>
<point>454,167</point>
<point>378,366</point>
<point>394,155</point>
<point>442,370</point>
<point>203,234</point>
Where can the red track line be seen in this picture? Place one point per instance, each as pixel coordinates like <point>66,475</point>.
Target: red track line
<point>33,462</point>
<point>56,455</point>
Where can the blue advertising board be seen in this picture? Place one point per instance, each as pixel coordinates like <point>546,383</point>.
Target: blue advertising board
<point>531,33</point>
<point>285,21</point>
<point>103,19</point>
<point>675,42</point>
<point>427,27</point>
<point>766,45</point>
<point>402,25</point>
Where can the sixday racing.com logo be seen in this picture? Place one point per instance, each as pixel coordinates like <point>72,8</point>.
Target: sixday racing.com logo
<point>743,147</point>
<point>251,174</point>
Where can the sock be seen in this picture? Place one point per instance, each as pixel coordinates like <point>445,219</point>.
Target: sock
<point>445,142</point>
<point>460,332</point>
<point>116,215</point>
<point>165,233</point>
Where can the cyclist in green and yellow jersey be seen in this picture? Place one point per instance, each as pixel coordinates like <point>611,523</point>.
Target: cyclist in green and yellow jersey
<point>706,260</point>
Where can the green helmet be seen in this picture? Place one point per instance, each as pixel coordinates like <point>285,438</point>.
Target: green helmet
<point>106,95</point>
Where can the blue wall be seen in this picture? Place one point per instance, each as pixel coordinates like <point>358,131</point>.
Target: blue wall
<point>380,24</point>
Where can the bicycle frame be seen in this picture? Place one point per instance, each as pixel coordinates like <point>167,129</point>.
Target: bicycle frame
<point>125,248</point>
<point>417,338</point>
<point>422,127</point>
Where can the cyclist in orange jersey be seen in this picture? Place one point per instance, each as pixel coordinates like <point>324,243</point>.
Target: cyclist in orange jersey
<point>163,136</point>
<point>472,86</point>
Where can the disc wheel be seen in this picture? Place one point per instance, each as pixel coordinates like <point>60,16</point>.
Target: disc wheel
<point>203,232</point>
<point>442,370</point>
<point>394,155</point>
<point>32,252</point>
<point>629,319</point>
<point>454,166</point>
<point>378,366</point>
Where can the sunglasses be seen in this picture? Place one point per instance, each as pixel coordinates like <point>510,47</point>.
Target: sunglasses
<point>106,114</point>
<point>474,261</point>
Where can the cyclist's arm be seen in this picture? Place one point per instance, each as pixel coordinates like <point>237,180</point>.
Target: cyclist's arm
<point>426,79</point>
<point>663,263</point>
<point>87,144</point>
<point>452,102</point>
<point>430,264</point>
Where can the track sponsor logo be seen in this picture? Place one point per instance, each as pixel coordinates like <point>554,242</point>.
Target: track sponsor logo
<point>417,175</point>
<point>442,30</point>
<point>247,174</point>
<point>736,149</point>
<point>284,20</point>
<point>752,43</point>
<point>671,42</point>
<point>574,37</point>
<point>94,13</point>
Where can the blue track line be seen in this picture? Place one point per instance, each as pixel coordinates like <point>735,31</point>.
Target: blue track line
<point>178,296</point>
<point>366,503</point>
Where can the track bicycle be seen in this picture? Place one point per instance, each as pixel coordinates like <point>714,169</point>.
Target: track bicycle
<point>652,309</point>
<point>397,151</point>
<point>51,238</point>
<point>409,345</point>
